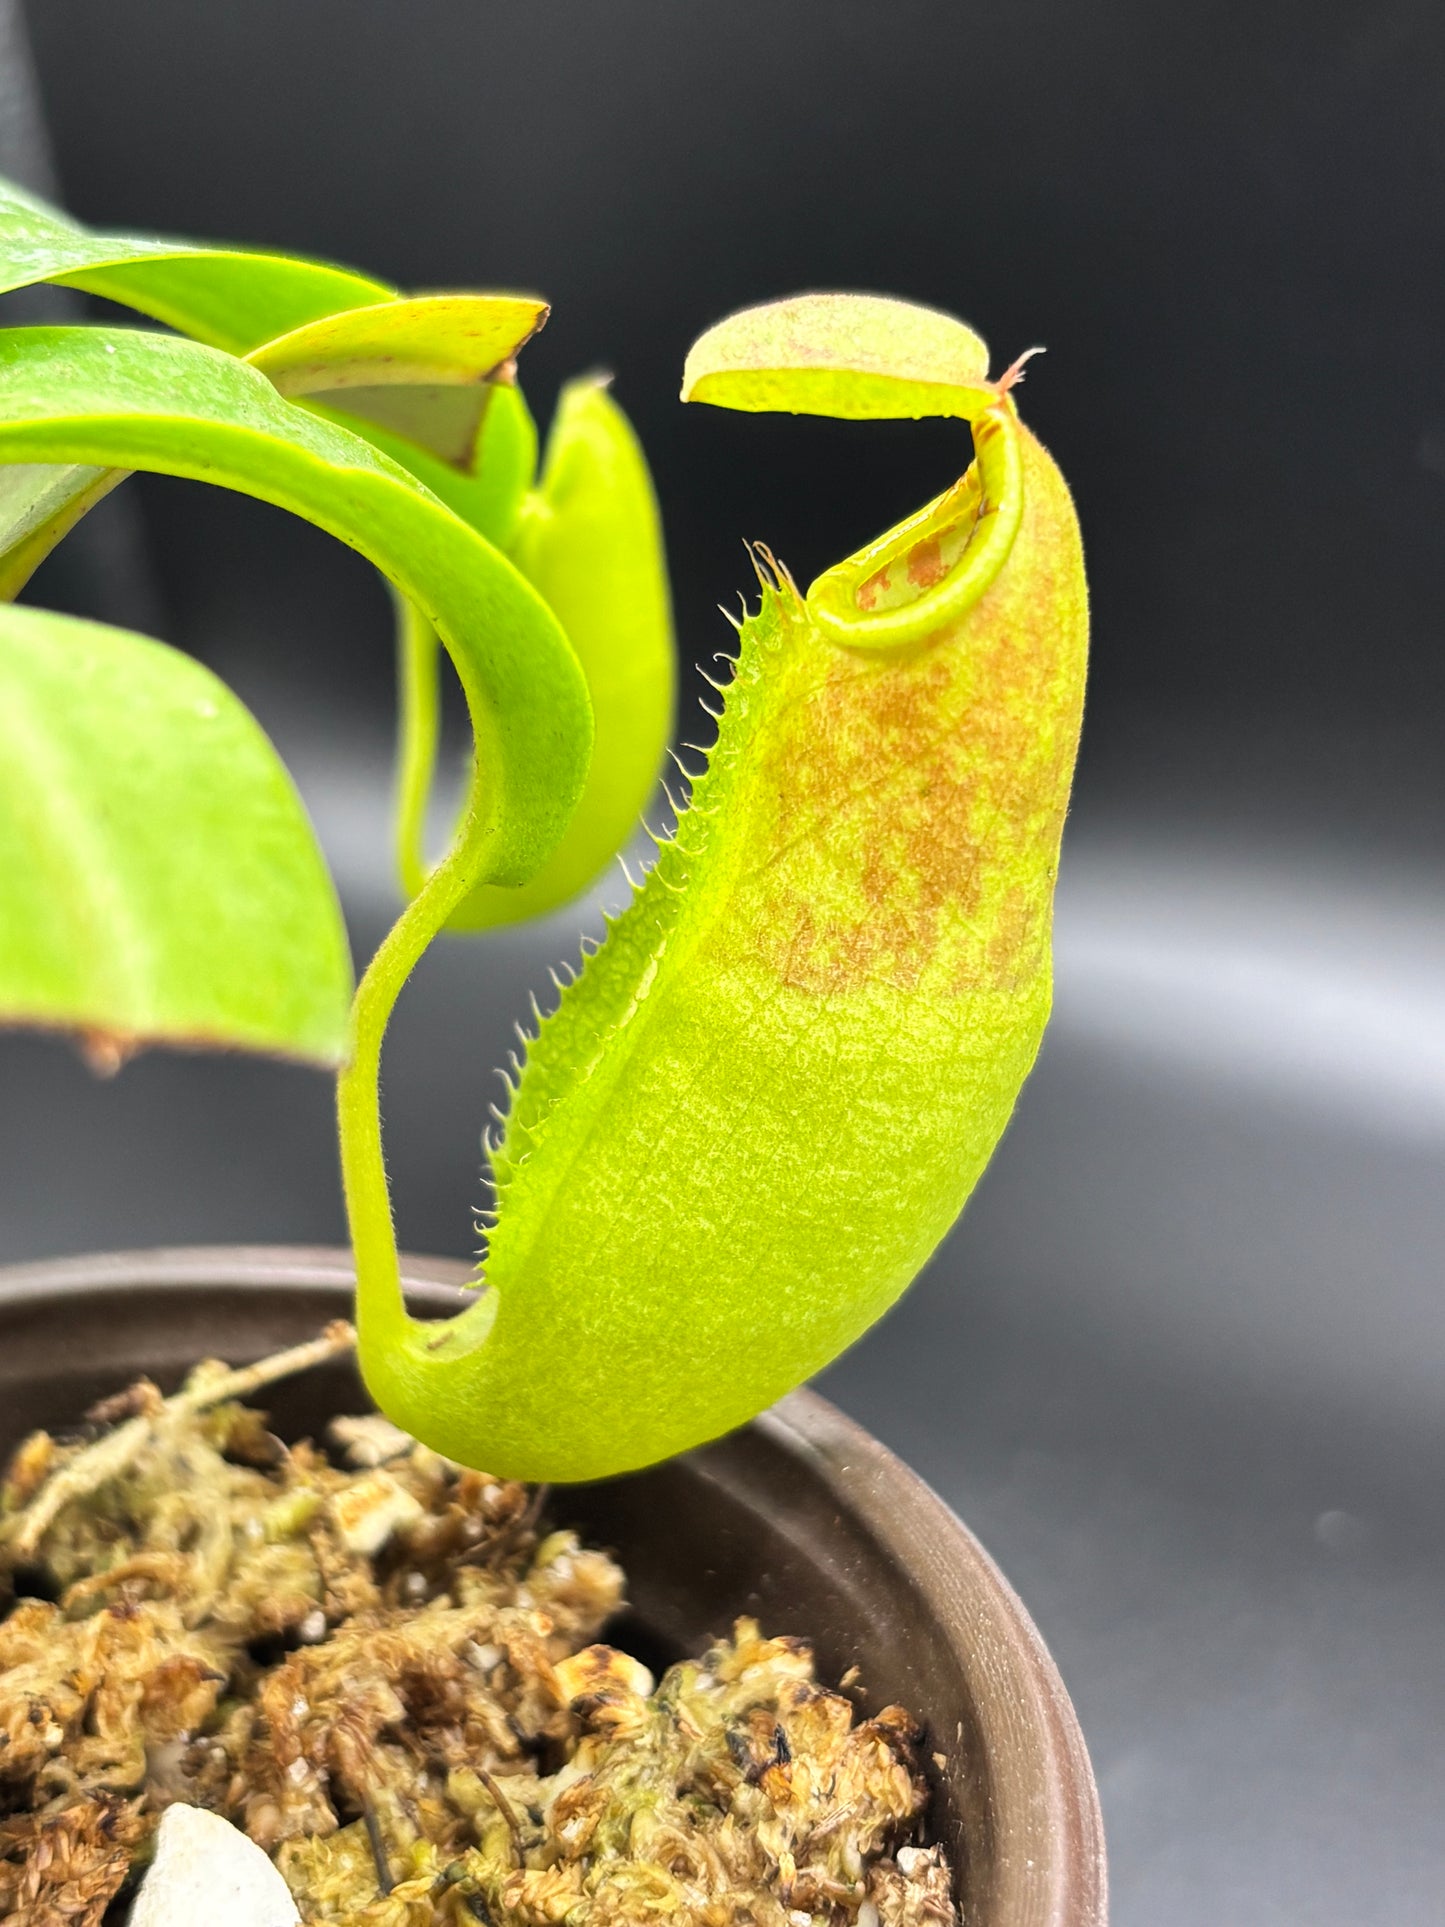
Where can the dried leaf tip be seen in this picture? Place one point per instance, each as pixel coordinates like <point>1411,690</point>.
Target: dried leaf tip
<point>1014,373</point>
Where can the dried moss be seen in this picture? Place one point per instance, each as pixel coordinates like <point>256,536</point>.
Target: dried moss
<point>381,1667</point>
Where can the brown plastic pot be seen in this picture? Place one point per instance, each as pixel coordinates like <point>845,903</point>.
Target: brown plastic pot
<point>801,1519</point>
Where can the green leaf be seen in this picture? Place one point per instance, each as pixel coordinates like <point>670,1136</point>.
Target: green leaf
<point>230,298</point>
<point>227,297</point>
<point>162,882</point>
<point>504,462</point>
<point>412,375</point>
<point>39,503</point>
<point>503,467</point>
<point>418,367</point>
<point>427,339</point>
<point>491,500</point>
<point>590,541</point>
<point>859,356</point>
<point>120,399</point>
<point>312,328</point>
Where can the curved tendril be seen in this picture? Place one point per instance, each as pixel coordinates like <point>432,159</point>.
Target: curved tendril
<point>929,571</point>
<point>383,1322</point>
<point>418,670</point>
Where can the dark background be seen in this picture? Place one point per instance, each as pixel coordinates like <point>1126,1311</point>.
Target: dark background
<point>1182,1364</point>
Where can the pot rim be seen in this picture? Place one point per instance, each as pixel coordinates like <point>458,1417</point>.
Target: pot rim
<point>1049,1817</point>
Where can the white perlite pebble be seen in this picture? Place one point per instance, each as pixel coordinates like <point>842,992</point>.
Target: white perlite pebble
<point>206,1870</point>
<point>370,1509</point>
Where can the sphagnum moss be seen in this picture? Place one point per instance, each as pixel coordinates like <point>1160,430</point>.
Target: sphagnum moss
<point>385,1670</point>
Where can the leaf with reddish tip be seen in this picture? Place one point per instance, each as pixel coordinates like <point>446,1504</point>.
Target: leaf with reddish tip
<point>418,366</point>
<point>112,923</point>
<point>434,338</point>
<point>857,356</point>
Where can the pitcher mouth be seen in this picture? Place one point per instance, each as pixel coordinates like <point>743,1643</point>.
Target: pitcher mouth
<point>916,582</point>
